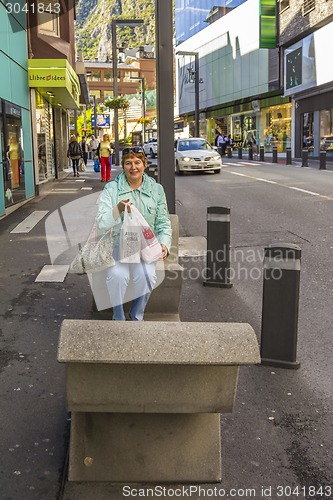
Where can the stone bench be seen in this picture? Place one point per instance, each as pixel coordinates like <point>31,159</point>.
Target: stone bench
<point>163,304</point>
<point>146,397</point>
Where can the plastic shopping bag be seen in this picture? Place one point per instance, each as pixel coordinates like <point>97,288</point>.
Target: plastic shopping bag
<point>130,239</point>
<point>151,249</point>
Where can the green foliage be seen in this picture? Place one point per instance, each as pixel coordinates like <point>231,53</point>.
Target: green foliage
<point>94,21</point>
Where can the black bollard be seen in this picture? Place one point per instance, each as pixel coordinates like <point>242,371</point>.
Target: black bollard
<point>240,152</point>
<point>275,155</point>
<point>250,153</point>
<point>229,152</point>
<point>218,248</point>
<point>288,157</point>
<point>282,266</point>
<point>322,160</point>
<point>262,153</point>
<point>305,154</point>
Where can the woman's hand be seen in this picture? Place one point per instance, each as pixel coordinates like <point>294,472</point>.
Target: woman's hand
<point>121,206</point>
<point>164,251</point>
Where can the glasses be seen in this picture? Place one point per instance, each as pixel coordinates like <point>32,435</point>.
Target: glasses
<point>136,149</point>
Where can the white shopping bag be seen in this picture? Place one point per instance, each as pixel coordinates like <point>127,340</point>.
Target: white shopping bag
<point>130,239</point>
<point>151,249</point>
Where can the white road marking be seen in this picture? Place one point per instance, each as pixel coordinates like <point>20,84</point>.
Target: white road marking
<point>282,185</point>
<point>30,222</point>
<point>52,274</point>
<point>86,188</point>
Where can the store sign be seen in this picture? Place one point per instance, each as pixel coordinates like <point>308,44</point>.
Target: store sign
<point>12,110</point>
<point>178,126</point>
<point>47,77</point>
<point>267,26</point>
<point>103,120</point>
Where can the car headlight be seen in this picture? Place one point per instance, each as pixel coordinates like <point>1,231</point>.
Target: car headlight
<point>215,158</point>
<point>186,158</point>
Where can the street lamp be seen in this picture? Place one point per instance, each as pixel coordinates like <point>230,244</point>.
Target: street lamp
<point>143,102</point>
<point>122,22</point>
<point>196,86</point>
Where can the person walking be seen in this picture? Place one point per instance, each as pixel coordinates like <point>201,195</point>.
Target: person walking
<point>133,187</point>
<point>74,152</point>
<point>104,151</point>
<point>93,144</point>
<point>85,149</point>
<point>221,144</point>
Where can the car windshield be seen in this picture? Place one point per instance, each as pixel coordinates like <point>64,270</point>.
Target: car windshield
<point>188,145</point>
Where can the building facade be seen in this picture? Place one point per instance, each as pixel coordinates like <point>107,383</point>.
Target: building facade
<point>306,34</point>
<point>54,87</point>
<point>240,90</point>
<point>16,161</point>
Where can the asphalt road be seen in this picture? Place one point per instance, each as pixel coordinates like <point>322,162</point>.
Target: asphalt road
<point>280,434</point>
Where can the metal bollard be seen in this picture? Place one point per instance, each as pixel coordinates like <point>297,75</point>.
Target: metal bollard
<point>218,247</point>
<point>262,153</point>
<point>288,156</point>
<point>250,153</point>
<point>322,160</point>
<point>275,155</point>
<point>240,153</point>
<point>282,266</point>
<point>305,155</point>
<point>229,152</point>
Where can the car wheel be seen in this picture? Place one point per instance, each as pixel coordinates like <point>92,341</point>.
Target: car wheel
<point>217,171</point>
<point>178,172</point>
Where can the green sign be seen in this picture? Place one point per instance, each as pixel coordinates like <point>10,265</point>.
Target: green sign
<point>268,27</point>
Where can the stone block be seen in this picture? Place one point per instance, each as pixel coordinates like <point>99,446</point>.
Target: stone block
<point>145,448</point>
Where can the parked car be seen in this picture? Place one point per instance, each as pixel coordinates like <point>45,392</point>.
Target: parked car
<point>150,147</point>
<point>196,154</point>
<point>326,143</point>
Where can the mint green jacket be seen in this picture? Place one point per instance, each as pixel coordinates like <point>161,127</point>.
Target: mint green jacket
<point>151,202</point>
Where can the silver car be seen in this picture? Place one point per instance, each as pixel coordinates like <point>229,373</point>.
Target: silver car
<point>196,154</point>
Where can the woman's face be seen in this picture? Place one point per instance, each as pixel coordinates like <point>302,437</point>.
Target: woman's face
<point>133,168</point>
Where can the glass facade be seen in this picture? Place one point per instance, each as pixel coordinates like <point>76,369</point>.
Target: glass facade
<point>191,16</point>
<point>326,131</point>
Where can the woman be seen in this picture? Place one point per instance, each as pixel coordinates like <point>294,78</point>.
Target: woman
<point>84,149</point>
<point>74,152</point>
<point>104,151</point>
<point>133,186</point>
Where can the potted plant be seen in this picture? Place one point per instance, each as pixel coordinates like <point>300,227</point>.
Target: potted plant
<point>120,102</point>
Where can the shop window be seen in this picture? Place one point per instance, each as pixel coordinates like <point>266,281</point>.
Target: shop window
<point>326,130</point>
<point>12,153</point>
<point>48,23</point>
<point>308,132</point>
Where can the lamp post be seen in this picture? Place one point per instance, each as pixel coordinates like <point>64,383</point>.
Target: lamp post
<point>122,22</point>
<point>196,86</point>
<point>143,102</point>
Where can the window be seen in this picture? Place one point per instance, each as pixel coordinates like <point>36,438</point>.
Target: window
<point>48,23</point>
<point>107,76</point>
<point>96,93</point>
<point>94,77</point>
<point>284,4</point>
<point>294,68</point>
<point>308,6</point>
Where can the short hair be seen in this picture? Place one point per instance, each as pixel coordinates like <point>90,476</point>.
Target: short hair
<point>132,154</point>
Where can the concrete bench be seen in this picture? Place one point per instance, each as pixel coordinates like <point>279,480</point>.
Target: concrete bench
<point>146,397</point>
<point>163,304</point>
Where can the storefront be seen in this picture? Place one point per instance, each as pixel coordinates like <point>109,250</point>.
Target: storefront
<point>308,78</point>
<point>16,169</point>
<point>55,89</point>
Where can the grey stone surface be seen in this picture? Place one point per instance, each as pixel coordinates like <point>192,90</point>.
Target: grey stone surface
<point>157,343</point>
<point>151,388</point>
<point>143,448</point>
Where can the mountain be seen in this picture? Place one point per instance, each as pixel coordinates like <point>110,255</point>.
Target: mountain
<point>93,25</point>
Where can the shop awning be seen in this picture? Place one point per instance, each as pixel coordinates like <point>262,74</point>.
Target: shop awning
<point>56,80</point>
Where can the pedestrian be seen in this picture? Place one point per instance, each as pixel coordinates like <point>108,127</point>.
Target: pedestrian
<point>135,187</point>
<point>74,152</point>
<point>229,141</point>
<point>221,144</point>
<point>104,151</point>
<point>216,137</point>
<point>93,144</point>
<point>84,148</point>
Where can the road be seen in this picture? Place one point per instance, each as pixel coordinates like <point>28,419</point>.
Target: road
<point>281,433</point>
